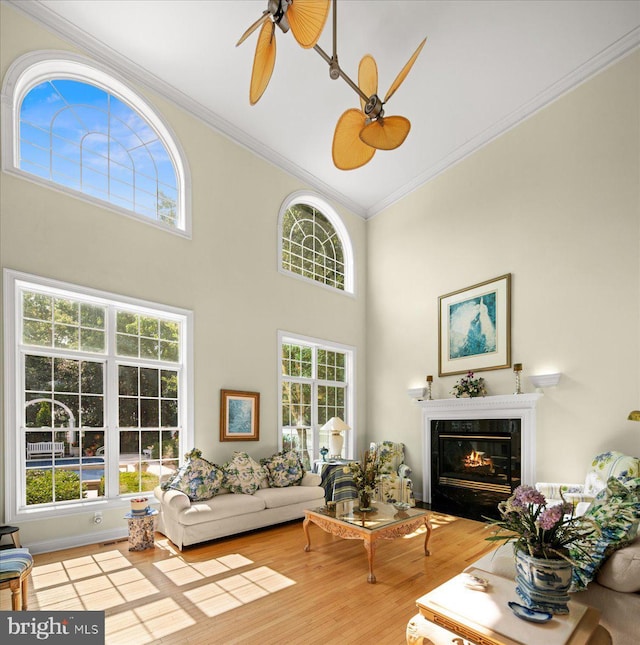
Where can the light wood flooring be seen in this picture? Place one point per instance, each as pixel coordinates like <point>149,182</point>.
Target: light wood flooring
<point>259,588</point>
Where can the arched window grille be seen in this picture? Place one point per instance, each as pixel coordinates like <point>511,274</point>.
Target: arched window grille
<point>78,127</point>
<point>314,243</point>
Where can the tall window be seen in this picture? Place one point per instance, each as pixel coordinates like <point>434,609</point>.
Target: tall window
<point>314,243</point>
<point>81,129</point>
<point>101,406</point>
<point>316,383</point>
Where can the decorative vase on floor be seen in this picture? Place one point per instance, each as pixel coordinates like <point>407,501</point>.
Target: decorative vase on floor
<point>543,584</point>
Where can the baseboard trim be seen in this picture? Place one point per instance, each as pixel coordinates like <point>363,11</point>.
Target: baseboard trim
<point>101,537</point>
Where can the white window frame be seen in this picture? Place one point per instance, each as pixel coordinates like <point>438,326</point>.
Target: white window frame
<point>285,337</point>
<point>14,281</point>
<point>36,67</point>
<point>315,201</point>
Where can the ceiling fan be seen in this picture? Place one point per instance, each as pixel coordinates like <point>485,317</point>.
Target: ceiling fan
<point>359,132</point>
<point>306,18</point>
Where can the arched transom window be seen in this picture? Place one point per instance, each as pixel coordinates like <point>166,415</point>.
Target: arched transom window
<point>85,131</point>
<point>315,244</point>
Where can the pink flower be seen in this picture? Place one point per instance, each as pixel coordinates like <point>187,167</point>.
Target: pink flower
<point>550,517</point>
<point>527,495</point>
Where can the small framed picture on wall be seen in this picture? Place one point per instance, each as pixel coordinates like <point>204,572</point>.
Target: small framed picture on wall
<point>239,416</point>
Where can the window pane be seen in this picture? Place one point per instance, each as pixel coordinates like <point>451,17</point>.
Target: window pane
<point>128,413</point>
<point>149,382</point>
<point>128,381</point>
<point>38,306</point>
<point>126,345</point>
<point>91,379</point>
<point>37,333</point>
<point>66,374</point>
<point>38,374</point>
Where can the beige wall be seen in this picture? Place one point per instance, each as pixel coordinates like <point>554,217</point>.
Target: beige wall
<point>554,202</point>
<point>227,274</point>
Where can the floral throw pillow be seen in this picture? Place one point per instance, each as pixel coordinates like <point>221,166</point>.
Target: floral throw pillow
<point>283,469</point>
<point>197,478</point>
<point>242,474</point>
<point>616,511</point>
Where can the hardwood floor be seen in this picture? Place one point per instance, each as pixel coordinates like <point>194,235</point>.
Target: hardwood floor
<point>255,588</point>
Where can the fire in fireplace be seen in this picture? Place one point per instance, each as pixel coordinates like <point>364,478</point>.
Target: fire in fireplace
<point>475,465</point>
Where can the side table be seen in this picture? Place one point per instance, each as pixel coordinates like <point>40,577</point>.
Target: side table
<point>141,530</point>
<point>12,531</point>
<point>483,617</point>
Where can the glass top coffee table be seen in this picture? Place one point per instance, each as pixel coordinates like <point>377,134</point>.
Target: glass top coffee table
<point>384,522</point>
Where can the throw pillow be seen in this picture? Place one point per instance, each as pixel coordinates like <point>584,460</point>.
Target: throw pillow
<point>197,478</point>
<point>621,572</point>
<point>242,474</point>
<point>283,469</point>
<point>616,512</point>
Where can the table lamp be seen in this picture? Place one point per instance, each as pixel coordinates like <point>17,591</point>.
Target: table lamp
<point>335,426</point>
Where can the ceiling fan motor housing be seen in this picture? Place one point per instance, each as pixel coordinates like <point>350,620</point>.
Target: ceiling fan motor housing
<point>278,9</point>
<point>373,108</point>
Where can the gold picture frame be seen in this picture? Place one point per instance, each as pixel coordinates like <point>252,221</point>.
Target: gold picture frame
<point>239,416</point>
<point>474,328</point>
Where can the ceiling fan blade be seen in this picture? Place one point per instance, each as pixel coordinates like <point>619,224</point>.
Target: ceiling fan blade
<point>348,150</point>
<point>367,77</point>
<point>386,133</point>
<point>307,19</point>
<point>263,62</point>
<point>404,71</point>
<point>254,26</point>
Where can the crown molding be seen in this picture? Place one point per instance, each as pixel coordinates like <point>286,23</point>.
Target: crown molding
<point>598,63</point>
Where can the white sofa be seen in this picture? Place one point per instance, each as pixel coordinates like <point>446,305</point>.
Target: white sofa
<point>185,522</point>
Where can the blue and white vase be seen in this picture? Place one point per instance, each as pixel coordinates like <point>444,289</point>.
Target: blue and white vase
<point>543,584</point>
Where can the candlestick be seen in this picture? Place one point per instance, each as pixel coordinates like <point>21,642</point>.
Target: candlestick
<point>429,383</point>
<point>517,368</point>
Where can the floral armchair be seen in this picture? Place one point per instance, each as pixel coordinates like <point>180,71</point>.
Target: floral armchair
<point>605,465</point>
<point>393,481</point>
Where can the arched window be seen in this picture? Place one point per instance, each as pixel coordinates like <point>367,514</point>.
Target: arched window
<point>314,243</point>
<point>75,125</point>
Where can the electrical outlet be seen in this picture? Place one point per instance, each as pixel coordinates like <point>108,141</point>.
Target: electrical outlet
<point>97,518</point>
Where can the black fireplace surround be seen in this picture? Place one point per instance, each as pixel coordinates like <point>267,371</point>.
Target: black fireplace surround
<point>475,464</point>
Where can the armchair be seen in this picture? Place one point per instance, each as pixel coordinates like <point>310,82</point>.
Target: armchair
<point>605,465</point>
<point>393,482</point>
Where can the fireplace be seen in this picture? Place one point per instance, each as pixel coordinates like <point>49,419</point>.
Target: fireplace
<point>475,464</point>
<point>498,434</point>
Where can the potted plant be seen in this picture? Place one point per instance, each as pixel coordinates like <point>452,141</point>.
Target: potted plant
<point>469,387</point>
<point>542,536</point>
<point>365,477</point>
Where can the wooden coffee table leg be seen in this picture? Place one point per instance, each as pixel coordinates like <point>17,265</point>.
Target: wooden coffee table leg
<point>370,546</point>
<point>427,537</point>
<point>305,528</point>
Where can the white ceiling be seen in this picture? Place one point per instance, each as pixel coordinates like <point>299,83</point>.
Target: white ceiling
<point>485,67</point>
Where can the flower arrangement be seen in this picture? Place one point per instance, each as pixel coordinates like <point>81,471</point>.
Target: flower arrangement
<point>366,472</point>
<point>468,386</point>
<point>538,530</point>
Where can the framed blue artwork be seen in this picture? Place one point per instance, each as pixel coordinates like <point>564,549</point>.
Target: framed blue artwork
<point>239,416</point>
<point>474,328</point>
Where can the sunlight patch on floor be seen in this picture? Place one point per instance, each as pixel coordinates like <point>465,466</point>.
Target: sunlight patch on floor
<point>218,597</point>
<point>147,623</point>
<point>110,582</point>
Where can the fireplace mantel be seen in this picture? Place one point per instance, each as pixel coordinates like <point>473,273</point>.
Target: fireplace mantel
<point>506,406</point>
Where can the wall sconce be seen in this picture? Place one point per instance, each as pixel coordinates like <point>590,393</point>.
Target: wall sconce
<point>541,381</point>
